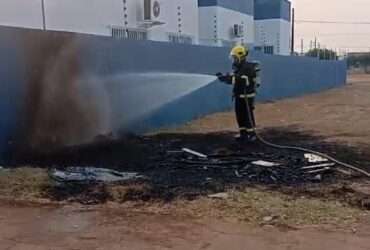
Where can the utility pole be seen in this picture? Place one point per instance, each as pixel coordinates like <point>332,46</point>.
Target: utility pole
<point>43,14</point>
<point>302,47</point>
<point>315,43</point>
<point>293,31</point>
<point>317,47</point>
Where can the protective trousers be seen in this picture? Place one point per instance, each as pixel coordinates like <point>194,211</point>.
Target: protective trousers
<point>244,109</point>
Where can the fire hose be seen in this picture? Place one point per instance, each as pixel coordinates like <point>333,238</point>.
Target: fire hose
<point>273,145</point>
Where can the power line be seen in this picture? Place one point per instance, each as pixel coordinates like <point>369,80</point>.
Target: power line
<point>353,47</point>
<point>332,22</point>
<point>43,14</point>
<point>337,34</point>
<point>336,47</point>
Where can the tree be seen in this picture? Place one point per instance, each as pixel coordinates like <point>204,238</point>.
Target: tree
<point>360,60</point>
<point>323,54</point>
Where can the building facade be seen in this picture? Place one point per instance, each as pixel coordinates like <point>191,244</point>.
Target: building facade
<point>273,26</point>
<point>168,20</point>
<point>226,22</point>
<point>262,23</point>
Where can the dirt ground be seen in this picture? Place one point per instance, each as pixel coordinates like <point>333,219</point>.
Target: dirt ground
<point>73,227</point>
<point>335,116</point>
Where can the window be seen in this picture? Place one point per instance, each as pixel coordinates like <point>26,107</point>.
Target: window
<point>180,38</point>
<point>131,34</point>
<point>268,50</point>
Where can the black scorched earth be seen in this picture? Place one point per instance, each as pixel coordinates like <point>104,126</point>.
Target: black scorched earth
<point>170,171</point>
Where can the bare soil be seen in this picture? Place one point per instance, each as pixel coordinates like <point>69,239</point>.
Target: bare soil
<point>74,227</point>
<point>174,212</point>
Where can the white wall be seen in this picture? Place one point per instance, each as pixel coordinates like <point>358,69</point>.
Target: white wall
<point>190,17</point>
<point>169,15</point>
<point>273,32</point>
<point>83,16</point>
<point>225,20</point>
<point>285,31</point>
<point>208,19</point>
<point>21,13</point>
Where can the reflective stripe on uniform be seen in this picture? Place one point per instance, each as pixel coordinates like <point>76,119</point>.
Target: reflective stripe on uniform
<point>248,95</point>
<point>247,129</point>
<point>246,78</point>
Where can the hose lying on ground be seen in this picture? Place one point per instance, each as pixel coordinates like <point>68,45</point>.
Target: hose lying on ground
<point>263,141</point>
<point>346,165</point>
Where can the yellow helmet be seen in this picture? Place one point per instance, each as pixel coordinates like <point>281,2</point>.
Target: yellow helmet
<point>239,53</point>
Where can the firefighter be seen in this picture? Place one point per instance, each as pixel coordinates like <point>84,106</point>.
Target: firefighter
<point>245,81</point>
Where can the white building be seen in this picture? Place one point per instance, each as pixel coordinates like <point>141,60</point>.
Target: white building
<point>264,23</point>
<point>226,22</point>
<point>21,13</point>
<point>273,26</point>
<point>171,20</point>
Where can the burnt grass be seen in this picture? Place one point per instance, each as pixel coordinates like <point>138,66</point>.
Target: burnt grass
<point>172,174</point>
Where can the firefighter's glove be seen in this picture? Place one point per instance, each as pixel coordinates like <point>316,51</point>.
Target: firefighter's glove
<point>223,78</point>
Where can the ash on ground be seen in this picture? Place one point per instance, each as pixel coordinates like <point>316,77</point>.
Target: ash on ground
<point>175,164</point>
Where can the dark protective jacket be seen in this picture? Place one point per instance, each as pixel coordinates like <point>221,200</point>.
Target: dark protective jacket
<point>244,79</point>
